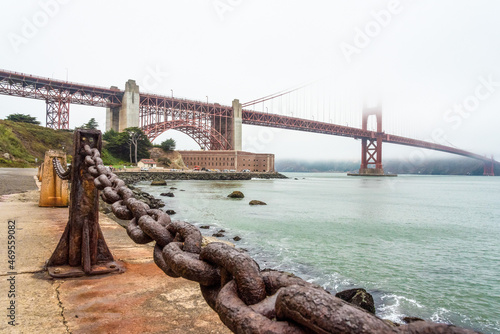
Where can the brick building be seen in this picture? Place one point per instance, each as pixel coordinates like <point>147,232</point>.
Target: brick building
<point>232,160</point>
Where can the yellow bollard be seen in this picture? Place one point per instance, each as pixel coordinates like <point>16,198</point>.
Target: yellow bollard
<point>54,191</point>
<point>39,173</point>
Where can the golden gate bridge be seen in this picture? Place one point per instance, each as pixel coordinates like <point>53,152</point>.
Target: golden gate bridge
<point>212,125</point>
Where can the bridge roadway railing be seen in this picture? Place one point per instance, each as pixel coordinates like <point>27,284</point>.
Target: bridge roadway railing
<point>19,84</point>
<point>246,299</point>
<point>432,146</point>
<point>294,123</point>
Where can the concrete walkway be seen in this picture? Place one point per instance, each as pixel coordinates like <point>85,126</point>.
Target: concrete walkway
<point>141,300</point>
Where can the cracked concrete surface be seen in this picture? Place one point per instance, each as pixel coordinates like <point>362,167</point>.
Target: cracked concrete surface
<point>60,304</point>
<point>141,300</point>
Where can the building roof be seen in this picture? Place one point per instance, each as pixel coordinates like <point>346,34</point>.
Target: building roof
<point>148,161</point>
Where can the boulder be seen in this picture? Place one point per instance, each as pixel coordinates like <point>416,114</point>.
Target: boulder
<point>409,320</point>
<point>206,240</point>
<point>169,194</point>
<point>358,297</point>
<point>255,202</point>
<point>236,238</point>
<point>205,227</point>
<point>159,183</point>
<point>236,194</point>
<point>153,203</point>
<point>218,234</point>
<point>173,188</point>
<point>170,212</point>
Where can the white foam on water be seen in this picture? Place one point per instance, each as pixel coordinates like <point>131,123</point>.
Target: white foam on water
<point>392,307</point>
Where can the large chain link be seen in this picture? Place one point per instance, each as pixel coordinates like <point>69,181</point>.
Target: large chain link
<point>58,168</point>
<point>246,299</point>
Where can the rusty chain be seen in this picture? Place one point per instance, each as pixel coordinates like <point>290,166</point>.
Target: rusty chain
<point>61,173</point>
<point>246,299</point>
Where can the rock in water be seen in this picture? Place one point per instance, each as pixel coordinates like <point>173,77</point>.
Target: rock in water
<point>159,183</point>
<point>409,320</point>
<point>255,202</point>
<point>358,297</point>
<point>236,238</point>
<point>170,212</point>
<point>236,194</point>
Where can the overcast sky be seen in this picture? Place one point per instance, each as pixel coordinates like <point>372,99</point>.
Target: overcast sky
<point>433,64</point>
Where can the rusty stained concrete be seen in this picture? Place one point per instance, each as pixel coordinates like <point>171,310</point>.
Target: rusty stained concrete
<point>141,300</point>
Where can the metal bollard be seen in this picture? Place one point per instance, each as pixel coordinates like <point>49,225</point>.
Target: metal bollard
<point>54,191</point>
<point>82,249</point>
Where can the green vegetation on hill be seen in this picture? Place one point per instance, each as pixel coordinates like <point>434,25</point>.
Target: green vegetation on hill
<point>25,142</point>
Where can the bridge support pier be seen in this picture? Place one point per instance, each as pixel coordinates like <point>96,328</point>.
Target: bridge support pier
<point>236,136</point>
<point>57,113</point>
<point>371,148</point>
<point>489,168</point>
<point>126,116</point>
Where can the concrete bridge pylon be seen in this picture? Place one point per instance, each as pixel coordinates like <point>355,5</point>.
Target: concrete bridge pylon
<point>126,115</point>
<point>236,140</point>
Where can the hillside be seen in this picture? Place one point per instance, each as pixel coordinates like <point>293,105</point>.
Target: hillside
<point>171,159</point>
<point>22,143</point>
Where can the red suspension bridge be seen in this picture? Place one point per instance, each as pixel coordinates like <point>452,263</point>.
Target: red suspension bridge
<point>211,125</point>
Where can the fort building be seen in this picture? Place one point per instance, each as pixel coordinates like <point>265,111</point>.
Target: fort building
<point>229,159</point>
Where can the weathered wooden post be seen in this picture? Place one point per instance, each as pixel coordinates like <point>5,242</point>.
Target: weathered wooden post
<point>82,249</point>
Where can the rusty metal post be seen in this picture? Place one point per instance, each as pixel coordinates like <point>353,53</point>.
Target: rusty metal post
<point>53,191</point>
<point>82,249</point>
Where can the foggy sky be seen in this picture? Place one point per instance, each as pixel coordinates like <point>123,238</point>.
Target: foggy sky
<point>434,65</point>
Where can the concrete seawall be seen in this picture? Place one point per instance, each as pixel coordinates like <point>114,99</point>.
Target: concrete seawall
<point>132,177</point>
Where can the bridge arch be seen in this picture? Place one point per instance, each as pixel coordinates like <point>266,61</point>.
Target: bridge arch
<point>205,136</point>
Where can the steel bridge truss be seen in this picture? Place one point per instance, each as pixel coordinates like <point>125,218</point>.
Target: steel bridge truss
<point>210,125</point>
<point>293,123</point>
<point>58,113</point>
<point>57,94</point>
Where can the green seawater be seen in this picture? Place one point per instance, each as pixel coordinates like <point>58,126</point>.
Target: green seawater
<point>424,246</point>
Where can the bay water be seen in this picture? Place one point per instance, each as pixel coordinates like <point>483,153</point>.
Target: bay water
<point>423,246</point>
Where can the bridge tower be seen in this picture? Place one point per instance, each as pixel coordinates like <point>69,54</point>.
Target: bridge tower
<point>127,115</point>
<point>489,168</point>
<point>371,148</point>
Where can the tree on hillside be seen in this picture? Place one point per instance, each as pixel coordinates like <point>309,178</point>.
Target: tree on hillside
<point>91,124</point>
<point>131,145</point>
<point>136,139</point>
<point>117,144</point>
<point>22,118</point>
<point>168,145</point>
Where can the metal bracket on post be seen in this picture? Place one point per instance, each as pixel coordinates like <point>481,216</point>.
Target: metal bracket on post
<point>82,249</point>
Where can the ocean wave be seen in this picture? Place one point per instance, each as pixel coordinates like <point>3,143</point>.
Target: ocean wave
<point>392,307</point>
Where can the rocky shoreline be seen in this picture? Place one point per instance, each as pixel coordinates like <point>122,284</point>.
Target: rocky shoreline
<point>133,177</point>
